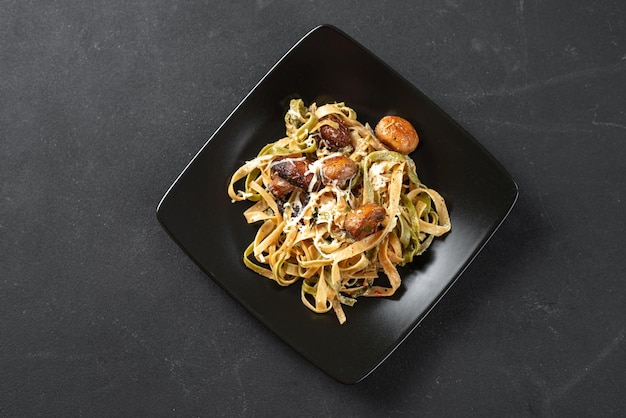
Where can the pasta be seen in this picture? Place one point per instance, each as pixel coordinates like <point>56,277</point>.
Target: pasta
<point>336,208</point>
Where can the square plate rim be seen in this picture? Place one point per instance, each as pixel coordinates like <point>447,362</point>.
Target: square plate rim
<point>510,202</point>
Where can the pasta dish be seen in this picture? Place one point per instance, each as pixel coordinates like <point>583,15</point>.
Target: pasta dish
<point>339,206</point>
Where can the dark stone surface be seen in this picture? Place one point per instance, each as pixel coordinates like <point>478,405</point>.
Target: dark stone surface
<point>102,104</point>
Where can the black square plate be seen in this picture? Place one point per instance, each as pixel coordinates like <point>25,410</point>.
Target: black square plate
<point>198,214</point>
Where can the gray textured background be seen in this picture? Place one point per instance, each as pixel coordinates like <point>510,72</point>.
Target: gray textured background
<point>102,104</point>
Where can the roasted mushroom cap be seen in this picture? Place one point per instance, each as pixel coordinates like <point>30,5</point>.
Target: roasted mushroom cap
<point>334,138</point>
<point>364,220</point>
<point>339,170</point>
<point>397,133</point>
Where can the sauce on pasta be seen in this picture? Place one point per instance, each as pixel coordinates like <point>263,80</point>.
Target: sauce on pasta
<point>336,208</point>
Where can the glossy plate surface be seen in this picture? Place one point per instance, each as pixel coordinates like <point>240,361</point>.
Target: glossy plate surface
<point>198,214</point>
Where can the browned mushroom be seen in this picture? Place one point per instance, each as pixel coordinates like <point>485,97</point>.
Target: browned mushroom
<point>294,170</point>
<point>338,169</point>
<point>364,220</point>
<point>397,134</point>
<point>334,138</point>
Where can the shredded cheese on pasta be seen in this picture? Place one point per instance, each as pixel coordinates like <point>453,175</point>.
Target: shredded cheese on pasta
<point>302,237</point>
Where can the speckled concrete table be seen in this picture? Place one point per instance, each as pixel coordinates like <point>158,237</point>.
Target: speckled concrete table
<point>102,104</point>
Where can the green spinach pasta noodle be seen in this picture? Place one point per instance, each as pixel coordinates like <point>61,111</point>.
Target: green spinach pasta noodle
<point>336,208</point>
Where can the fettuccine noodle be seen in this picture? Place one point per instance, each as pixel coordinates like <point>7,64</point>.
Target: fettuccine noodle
<point>303,233</point>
